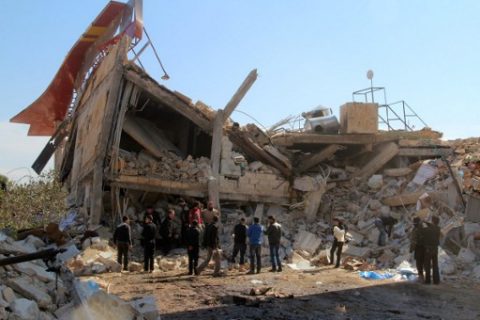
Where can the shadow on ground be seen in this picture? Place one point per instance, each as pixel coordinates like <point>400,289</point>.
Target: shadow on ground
<point>401,300</point>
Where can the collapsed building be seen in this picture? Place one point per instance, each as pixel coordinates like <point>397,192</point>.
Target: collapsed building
<point>122,133</point>
<point>121,140</point>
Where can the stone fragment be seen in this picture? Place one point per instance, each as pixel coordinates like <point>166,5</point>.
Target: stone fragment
<point>8,294</point>
<point>24,309</point>
<point>397,172</point>
<point>375,182</point>
<point>34,270</point>
<point>27,289</point>
<point>135,266</point>
<point>147,307</point>
<point>305,184</point>
<point>307,241</point>
<point>354,251</point>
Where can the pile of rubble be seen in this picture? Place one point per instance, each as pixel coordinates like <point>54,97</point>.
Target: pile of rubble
<point>468,162</point>
<point>33,290</point>
<point>28,291</point>
<point>170,166</point>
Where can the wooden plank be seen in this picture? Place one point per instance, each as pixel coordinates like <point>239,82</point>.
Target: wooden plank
<point>169,98</point>
<point>317,158</point>
<point>291,139</point>
<point>425,152</point>
<point>241,91</point>
<point>386,153</point>
<point>403,199</point>
<point>215,158</point>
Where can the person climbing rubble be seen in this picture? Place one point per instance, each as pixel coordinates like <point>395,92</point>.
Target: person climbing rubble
<point>339,232</point>
<point>274,233</point>
<point>255,238</point>
<point>240,242</point>
<point>417,246</point>
<point>212,243</point>
<point>384,224</point>
<point>122,237</point>
<point>148,238</point>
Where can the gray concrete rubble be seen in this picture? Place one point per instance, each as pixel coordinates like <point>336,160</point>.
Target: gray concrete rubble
<point>29,291</point>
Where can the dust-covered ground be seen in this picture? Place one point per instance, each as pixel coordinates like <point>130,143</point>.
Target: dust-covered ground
<point>325,293</point>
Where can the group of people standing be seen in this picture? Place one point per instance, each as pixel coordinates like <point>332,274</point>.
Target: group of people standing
<point>424,242</point>
<point>199,228</point>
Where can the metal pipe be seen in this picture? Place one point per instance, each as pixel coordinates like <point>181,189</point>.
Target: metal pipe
<point>49,253</point>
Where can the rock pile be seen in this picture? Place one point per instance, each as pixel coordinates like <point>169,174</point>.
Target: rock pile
<point>27,290</point>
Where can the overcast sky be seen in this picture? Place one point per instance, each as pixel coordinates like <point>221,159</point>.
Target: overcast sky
<point>307,53</point>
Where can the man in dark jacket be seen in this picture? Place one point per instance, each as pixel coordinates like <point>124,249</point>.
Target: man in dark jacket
<point>431,241</point>
<point>148,235</point>
<point>417,246</point>
<point>168,231</point>
<point>274,233</point>
<point>122,237</point>
<point>240,242</point>
<point>183,214</point>
<point>192,238</point>
<point>212,243</point>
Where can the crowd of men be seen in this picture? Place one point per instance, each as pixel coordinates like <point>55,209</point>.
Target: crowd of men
<point>199,228</point>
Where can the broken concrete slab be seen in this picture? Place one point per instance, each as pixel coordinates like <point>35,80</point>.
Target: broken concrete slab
<point>24,309</point>
<point>384,154</point>
<point>354,251</point>
<point>26,288</point>
<point>8,294</point>
<point>34,270</point>
<point>147,307</point>
<point>305,184</point>
<point>307,241</point>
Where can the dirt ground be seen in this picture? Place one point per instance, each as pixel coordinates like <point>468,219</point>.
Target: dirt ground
<point>324,293</point>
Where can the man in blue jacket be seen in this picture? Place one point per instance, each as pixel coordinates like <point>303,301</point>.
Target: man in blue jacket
<point>255,237</point>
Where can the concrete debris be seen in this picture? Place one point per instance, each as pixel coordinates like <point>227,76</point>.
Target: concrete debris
<point>147,307</point>
<point>375,182</point>
<point>307,241</point>
<point>26,288</point>
<point>24,309</point>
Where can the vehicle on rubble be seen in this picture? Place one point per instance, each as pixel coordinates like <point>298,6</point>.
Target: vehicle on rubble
<point>321,120</point>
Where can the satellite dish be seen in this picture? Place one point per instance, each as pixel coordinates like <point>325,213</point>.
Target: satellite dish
<point>369,74</point>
